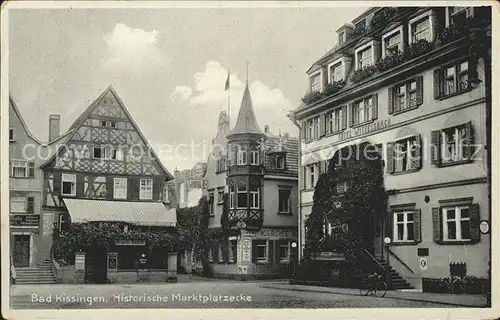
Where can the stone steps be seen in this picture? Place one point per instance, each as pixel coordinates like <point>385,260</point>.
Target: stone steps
<point>42,274</point>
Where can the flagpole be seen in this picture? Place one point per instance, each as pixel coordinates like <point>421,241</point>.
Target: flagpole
<point>229,100</point>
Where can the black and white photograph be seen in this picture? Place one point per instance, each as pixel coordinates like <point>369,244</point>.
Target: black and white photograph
<point>222,158</point>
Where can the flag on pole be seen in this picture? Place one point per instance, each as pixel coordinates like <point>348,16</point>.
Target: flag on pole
<point>227,81</point>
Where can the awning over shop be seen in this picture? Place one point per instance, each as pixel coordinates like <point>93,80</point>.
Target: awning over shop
<point>138,213</point>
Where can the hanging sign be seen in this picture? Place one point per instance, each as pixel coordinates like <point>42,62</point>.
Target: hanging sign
<point>423,263</point>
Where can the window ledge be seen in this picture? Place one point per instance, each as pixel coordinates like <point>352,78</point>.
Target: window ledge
<point>334,133</point>
<point>364,123</point>
<point>12,140</point>
<point>459,242</point>
<point>285,213</point>
<point>22,177</point>
<point>263,262</point>
<point>404,243</point>
<point>405,172</point>
<point>444,97</point>
<point>395,113</point>
<point>308,189</point>
<point>456,163</point>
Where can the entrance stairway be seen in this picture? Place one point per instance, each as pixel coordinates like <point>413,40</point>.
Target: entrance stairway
<point>42,274</point>
<point>397,281</point>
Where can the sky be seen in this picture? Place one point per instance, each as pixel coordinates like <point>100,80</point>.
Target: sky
<point>169,66</point>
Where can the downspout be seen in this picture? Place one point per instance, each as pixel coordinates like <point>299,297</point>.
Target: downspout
<point>291,116</point>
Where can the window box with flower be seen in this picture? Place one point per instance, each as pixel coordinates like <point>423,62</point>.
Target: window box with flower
<point>312,96</point>
<point>418,48</point>
<point>391,61</point>
<point>333,87</point>
<point>361,74</point>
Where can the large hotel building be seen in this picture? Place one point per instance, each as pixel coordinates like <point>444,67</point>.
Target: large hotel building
<point>414,81</point>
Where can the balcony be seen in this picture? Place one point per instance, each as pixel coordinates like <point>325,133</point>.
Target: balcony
<point>245,169</point>
<point>252,218</point>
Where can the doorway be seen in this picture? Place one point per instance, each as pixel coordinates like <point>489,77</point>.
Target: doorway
<point>22,250</point>
<point>96,267</point>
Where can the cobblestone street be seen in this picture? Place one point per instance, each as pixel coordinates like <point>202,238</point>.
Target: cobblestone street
<point>191,295</point>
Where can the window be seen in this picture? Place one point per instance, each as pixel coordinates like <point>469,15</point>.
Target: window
<point>279,162</point>
<point>146,191</point>
<point>341,37</point>
<point>69,184</point>
<point>254,157</point>
<point>18,204</point>
<point>211,204</point>
<point>406,96</point>
<point>421,30</point>
<point>456,78</point>
<point>221,163</point>
<point>364,57</point>
<point>284,251</point>
<point>242,200</point>
<point>456,15</point>
<point>406,154</point>
<point>254,198</point>
<point>313,128</point>
<point>232,198</point>
<point>334,121</point>
<point>115,154</point>
<point>336,73</point>
<point>165,194</point>
<point>260,250</point>
<point>120,188</point>
<point>456,223</point>
<point>316,82</point>
<point>22,169</point>
<point>453,144</point>
<point>403,226</point>
<point>392,44</point>
<point>97,154</point>
<point>109,124</point>
<point>284,200</point>
<point>312,175</point>
<point>242,157</point>
<point>363,110</point>
<point>12,136</point>
<point>220,196</point>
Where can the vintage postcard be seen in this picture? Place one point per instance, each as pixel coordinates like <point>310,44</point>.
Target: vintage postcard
<point>216,159</point>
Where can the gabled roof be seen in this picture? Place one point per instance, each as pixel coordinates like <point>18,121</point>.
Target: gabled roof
<point>247,122</point>
<point>81,119</point>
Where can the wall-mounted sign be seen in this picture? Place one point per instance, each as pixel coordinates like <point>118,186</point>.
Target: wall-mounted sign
<point>112,261</point>
<point>374,126</point>
<point>484,226</point>
<point>195,184</point>
<point>79,261</point>
<point>25,220</point>
<point>241,225</point>
<point>423,263</point>
<point>132,242</point>
<point>246,250</point>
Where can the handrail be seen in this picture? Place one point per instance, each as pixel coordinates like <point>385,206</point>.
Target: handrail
<point>399,259</point>
<point>374,259</point>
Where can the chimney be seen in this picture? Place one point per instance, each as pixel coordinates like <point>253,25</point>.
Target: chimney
<point>266,128</point>
<point>54,126</point>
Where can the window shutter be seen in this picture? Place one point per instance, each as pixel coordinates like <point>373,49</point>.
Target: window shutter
<point>468,144</point>
<point>133,188</point>
<point>80,185</point>
<point>31,169</point>
<point>11,174</point>
<point>304,177</point>
<point>57,182</point>
<point>436,225</point>
<point>30,205</point>
<point>420,90</point>
<point>375,106</point>
<point>344,117</point>
<point>322,125</point>
<point>389,157</point>
<point>437,84</point>
<point>390,98</point>
<point>351,115</point>
<point>390,226</point>
<point>417,229</point>
<point>435,147</point>
<point>417,162</point>
<point>270,250</point>
<point>110,188</point>
<point>254,251</point>
<point>472,71</point>
<point>157,188</point>
<point>304,130</point>
<point>474,223</point>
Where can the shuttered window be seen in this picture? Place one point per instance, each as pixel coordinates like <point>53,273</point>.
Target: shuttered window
<point>453,145</point>
<point>454,78</point>
<point>456,224</point>
<point>120,188</point>
<point>404,155</point>
<point>406,96</point>
<point>260,251</point>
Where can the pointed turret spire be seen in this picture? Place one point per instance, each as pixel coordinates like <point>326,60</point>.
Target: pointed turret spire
<point>246,123</point>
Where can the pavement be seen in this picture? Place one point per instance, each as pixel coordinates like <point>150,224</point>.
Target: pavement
<point>197,292</point>
<point>462,300</point>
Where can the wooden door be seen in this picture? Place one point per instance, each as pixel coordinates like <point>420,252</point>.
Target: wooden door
<point>21,251</point>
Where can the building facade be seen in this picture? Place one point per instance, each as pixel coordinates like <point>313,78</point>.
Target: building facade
<point>189,185</point>
<point>251,185</point>
<point>409,81</point>
<point>105,171</point>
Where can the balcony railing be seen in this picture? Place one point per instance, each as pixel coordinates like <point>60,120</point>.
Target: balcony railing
<point>252,218</point>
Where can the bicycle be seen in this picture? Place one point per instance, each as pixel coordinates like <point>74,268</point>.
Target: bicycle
<point>373,283</point>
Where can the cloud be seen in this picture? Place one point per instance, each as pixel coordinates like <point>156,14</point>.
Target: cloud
<point>209,96</point>
<point>132,49</point>
<point>181,93</point>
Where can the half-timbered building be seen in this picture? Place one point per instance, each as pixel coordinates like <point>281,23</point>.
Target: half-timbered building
<point>107,172</point>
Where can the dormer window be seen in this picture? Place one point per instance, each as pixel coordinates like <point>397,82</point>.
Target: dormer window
<point>279,161</point>
<point>336,72</point>
<point>421,30</point>
<point>364,58</point>
<point>457,14</point>
<point>360,26</point>
<point>316,82</point>
<point>341,37</point>
<point>392,44</point>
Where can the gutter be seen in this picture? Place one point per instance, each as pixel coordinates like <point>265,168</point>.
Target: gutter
<point>291,116</point>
